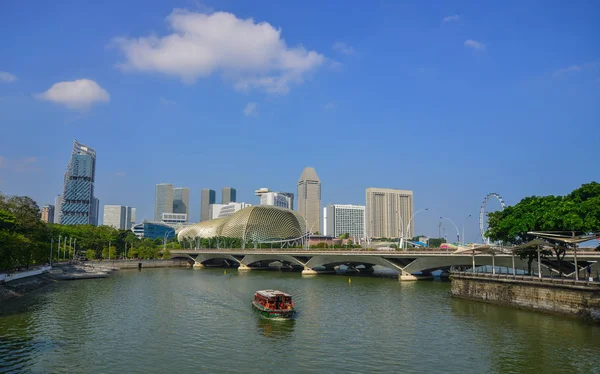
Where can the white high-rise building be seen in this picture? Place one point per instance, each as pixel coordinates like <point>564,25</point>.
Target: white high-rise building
<point>226,210</point>
<point>388,213</point>
<point>345,219</point>
<point>118,216</point>
<point>276,199</point>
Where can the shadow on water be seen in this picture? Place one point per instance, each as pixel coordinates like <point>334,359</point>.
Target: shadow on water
<point>275,328</point>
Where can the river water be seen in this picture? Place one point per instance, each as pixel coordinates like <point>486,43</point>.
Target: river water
<point>185,320</point>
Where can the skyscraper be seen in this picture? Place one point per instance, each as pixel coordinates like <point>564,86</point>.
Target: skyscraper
<point>181,201</point>
<point>309,199</point>
<point>228,195</point>
<point>48,213</point>
<point>119,216</point>
<point>207,198</point>
<point>163,200</point>
<point>78,204</point>
<point>345,219</point>
<point>280,199</point>
<point>389,212</point>
<point>57,205</point>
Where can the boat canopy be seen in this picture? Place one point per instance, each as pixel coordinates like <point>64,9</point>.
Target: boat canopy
<point>272,293</point>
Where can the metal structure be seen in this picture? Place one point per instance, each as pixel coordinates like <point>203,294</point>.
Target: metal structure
<point>482,213</point>
<point>259,224</point>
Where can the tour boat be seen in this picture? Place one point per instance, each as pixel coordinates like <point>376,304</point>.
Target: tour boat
<point>273,304</point>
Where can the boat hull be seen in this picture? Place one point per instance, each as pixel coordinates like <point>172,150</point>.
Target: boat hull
<point>273,313</point>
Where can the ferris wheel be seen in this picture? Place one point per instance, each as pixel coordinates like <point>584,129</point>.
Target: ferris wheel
<point>482,213</point>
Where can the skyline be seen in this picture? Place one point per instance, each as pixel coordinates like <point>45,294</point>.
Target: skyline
<point>406,97</point>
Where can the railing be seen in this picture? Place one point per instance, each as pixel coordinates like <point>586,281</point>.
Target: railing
<point>7,277</point>
<point>529,278</point>
<point>312,251</point>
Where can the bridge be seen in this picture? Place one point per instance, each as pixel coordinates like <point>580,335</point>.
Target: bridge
<point>411,265</point>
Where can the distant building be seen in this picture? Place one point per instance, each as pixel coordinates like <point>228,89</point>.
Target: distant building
<point>228,195</point>
<point>280,199</point>
<point>163,200</point>
<point>57,205</point>
<point>309,199</point>
<point>153,230</point>
<point>181,201</point>
<point>118,216</point>
<point>95,212</point>
<point>174,218</point>
<point>226,210</point>
<point>48,213</point>
<point>344,219</point>
<point>388,212</point>
<point>79,206</point>
<point>207,199</point>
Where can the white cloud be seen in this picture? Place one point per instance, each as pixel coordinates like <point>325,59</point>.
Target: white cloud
<point>77,94</point>
<point>19,165</point>
<point>475,44</point>
<point>251,109</point>
<point>330,105</point>
<point>453,18</point>
<point>570,69</point>
<point>343,48</point>
<point>166,102</point>
<point>251,54</point>
<point>7,77</point>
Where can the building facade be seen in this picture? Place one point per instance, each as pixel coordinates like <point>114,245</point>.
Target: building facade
<point>309,199</point>
<point>118,216</point>
<point>226,210</point>
<point>388,212</point>
<point>163,200</point>
<point>153,230</point>
<point>228,195</point>
<point>344,219</point>
<point>206,200</point>
<point>57,206</point>
<point>48,213</point>
<point>181,201</point>
<point>174,218</point>
<point>78,205</point>
<point>280,199</point>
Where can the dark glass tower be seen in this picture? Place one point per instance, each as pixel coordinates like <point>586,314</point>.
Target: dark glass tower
<point>79,207</point>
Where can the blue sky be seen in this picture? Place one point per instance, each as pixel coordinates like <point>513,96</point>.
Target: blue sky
<point>450,99</point>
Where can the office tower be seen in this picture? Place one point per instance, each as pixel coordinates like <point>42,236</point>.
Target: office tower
<point>130,218</point>
<point>228,195</point>
<point>181,201</point>
<point>309,199</point>
<point>388,212</point>
<point>344,219</point>
<point>48,213</point>
<point>95,212</point>
<point>280,199</point>
<point>119,216</point>
<point>206,200</point>
<point>163,200</point>
<point>115,216</point>
<point>78,204</point>
<point>57,205</point>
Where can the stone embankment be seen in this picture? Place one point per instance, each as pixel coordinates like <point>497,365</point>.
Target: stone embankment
<point>558,296</point>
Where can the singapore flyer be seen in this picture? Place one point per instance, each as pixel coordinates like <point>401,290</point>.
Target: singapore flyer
<point>482,213</point>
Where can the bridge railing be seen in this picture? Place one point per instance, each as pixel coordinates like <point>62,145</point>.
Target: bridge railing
<point>308,251</point>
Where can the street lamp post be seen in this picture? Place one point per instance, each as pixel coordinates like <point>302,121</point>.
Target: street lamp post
<point>70,244</point>
<point>58,252</point>
<point>456,227</point>
<point>410,220</point>
<point>51,245</point>
<point>65,249</point>
<point>74,248</point>
<point>401,239</point>
<point>463,229</point>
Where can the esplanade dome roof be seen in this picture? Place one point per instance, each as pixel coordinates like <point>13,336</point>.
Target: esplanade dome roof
<point>256,223</point>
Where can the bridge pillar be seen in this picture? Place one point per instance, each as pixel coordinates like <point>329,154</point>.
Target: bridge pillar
<point>404,276</point>
<point>198,265</point>
<point>309,271</point>
<point>243,267</point>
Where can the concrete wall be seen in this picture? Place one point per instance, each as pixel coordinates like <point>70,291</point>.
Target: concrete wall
<point>23,274</point>
<point>572,298</point>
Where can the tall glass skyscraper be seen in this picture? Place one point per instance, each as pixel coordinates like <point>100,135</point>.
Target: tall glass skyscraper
<point>309,199</point>
<point>78,205</point>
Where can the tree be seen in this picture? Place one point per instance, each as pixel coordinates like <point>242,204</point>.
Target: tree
<point>436,242</point>
<point>577,212</point>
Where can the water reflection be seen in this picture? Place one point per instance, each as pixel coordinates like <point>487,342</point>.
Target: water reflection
<point>275,328</point>
<point>512,335</point>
